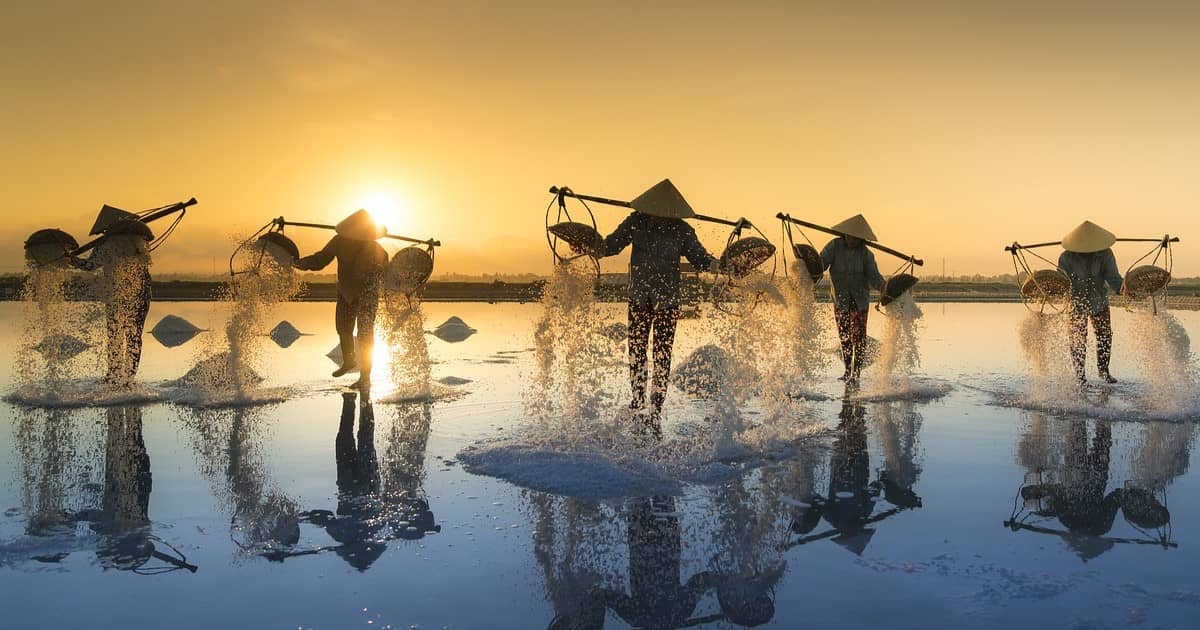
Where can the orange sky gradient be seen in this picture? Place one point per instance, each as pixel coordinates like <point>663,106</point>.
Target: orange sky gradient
<point>954,127</point>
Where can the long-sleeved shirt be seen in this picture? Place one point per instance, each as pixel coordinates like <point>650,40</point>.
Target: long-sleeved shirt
<point>853,272</point>
<point>360,264</point>
<point>1089,274</point>
<point>658,244</point>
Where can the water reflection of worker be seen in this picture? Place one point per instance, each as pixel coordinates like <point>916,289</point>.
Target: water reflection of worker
<point>659,240</point>
<point>1077,497</point>
<point>1092,268</point>
<point>361,261</point>
<point>656,599</point>
<point>852,273</point>
<point>1162,457</point>
<point>123,519</point>
<point>403,473</point>
<point>123,256</point>
<point>357,522</point>
<point>852,496</point>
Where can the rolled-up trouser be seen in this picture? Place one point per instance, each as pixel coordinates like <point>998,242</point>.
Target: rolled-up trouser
<point>852,333</point>
<point>361,314</point>
<point>1102,324</point>
<point>126,317</point>
<point>662,321</point>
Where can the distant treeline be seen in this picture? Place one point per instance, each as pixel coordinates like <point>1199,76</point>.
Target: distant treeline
<point>607,289</point>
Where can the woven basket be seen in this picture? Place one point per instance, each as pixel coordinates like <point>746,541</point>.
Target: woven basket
<point>745,255</point>
<point>580,236</point>
<point>1046,284</point>
<point>895,286</point>
<point>408,271</point>
<point>1144,281</point>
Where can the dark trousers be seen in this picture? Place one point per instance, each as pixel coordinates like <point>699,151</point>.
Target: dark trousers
<point>1102,325</point>
<point>643,320</point>
<point>348,315</point>
<point>124,322</point>
<point>852,333</point>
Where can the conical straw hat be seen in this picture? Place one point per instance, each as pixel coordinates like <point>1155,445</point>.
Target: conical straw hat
<point>1087,238</point>
<point>361,226</point>
<point>856,226</point>
<point>663,200</point>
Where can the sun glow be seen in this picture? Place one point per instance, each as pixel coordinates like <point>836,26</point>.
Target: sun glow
<point>386,209</point>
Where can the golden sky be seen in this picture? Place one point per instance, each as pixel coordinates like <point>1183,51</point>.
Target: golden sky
<point>955,127</point>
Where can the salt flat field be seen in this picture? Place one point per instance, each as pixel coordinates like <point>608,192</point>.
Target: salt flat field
<point>505,489</point>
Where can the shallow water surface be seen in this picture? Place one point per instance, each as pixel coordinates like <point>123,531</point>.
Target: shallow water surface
<point>953,504</point>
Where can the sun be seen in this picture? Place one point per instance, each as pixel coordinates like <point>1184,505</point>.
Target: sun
<point>385,208</point>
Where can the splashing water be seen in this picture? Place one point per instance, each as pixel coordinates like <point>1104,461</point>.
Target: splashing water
<point>570,394</point>
<point>1044,342</point>
<point>805,329</point>
<point>1164,358</point>
<point>899,353</point>
<point>755,342</point>
<point>227,368</point>
<point>404,331</point>
<point>50,322</point>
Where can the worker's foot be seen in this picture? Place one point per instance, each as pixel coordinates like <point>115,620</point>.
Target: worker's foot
<point>362,384</point>
<point>346,368</point>
<point>1082,383</point>
<point>1107,378</point>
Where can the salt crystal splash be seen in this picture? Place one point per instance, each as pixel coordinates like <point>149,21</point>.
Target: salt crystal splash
<point>899,353</point>
<point>1164,358</point>
<point>408,350</point>
<point>228,369</point>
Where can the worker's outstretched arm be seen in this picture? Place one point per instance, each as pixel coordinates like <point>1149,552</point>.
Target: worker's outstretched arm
<point>621,237</point>
<point>695,253</point>
<point>872,268</point>
<point>1112,275</point>
<point>321,259</point>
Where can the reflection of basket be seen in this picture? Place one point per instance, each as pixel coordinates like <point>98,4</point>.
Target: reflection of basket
<point>810,258</point>
<point>408,271</point>
<point>895,286</point>
<point>1046,285</point>
<point>1145,281</point>
<point>745,255</point>
<point>580,236</point>
<point>46,246</point>
<point>1143,509</point>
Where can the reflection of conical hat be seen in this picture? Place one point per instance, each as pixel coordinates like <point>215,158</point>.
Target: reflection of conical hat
<point>1087,238</point>
<point>361,226</point>
<point>663,200</point>
<point>856,226</point>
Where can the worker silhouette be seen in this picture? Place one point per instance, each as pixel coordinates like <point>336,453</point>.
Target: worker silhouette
<point>123,257</point>
<point>361,261</point>
<point>852,274</point>
<point>1090,265</point>
<point>660,237</point>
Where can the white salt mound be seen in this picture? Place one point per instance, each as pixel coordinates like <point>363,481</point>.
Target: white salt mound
<point>284,334</point>
<point>174,324</point>
<point>453,330</point>
<point>702,372</point>
<point>60,347</point>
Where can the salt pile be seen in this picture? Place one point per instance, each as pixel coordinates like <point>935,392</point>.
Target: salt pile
<point>453,330</point>
<point>284,334</point>
<point>701,373</point>
<point>173,331</point>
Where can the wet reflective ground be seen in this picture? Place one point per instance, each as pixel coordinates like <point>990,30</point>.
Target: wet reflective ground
<point>325,511</point>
